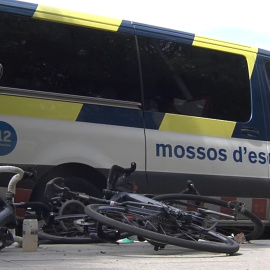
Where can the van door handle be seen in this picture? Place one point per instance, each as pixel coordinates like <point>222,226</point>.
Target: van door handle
<point>250,131</point>
<point>1,70</point>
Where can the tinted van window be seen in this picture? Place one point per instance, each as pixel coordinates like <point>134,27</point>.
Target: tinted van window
<point>183,79</point>
<point>46,56</point>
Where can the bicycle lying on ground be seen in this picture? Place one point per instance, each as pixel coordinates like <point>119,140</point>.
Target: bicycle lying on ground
<point>159,220</point>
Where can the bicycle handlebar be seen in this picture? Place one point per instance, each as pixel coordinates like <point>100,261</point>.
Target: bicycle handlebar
<point>116,172</point>
<point>19,175</point>
<point>56,187</point>
<point>15,178</point>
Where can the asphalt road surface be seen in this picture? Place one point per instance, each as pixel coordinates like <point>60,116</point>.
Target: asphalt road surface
<point>138,255</point>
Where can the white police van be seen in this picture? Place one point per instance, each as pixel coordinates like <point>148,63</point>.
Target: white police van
<point>81,92</point>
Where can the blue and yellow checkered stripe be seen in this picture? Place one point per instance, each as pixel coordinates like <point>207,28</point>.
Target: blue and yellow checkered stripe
<point>110,115</point>
<point>60,15</point>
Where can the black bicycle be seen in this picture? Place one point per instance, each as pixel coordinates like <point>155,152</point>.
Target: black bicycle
<point>122,213</point>
<point>159,220</point>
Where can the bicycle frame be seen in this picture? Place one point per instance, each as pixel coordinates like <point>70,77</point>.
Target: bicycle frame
<point>137,203</point>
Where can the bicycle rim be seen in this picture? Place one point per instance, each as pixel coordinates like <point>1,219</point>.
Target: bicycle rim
<point>252,227</point>
<point>145,225</point>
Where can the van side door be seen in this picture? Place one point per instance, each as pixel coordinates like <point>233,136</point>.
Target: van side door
<point>203,116</point>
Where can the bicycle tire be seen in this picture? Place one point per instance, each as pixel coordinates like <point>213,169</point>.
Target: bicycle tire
<point>125,219</point>
<point>56,233</point>
<point>253,229</point>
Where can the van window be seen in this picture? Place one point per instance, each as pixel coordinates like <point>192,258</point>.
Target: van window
<point>48,56</point>
<point>183,79</point>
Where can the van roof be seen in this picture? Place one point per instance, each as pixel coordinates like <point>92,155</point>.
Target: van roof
<point>36,9</point>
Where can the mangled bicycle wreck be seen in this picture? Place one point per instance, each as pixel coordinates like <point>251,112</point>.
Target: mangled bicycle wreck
<point>182,219</point>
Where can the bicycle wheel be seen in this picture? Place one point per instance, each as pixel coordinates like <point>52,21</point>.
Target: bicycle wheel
<point>77,229</point>
<point>68,230</point>
<point>161,229</point>
<point>247,223</point>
